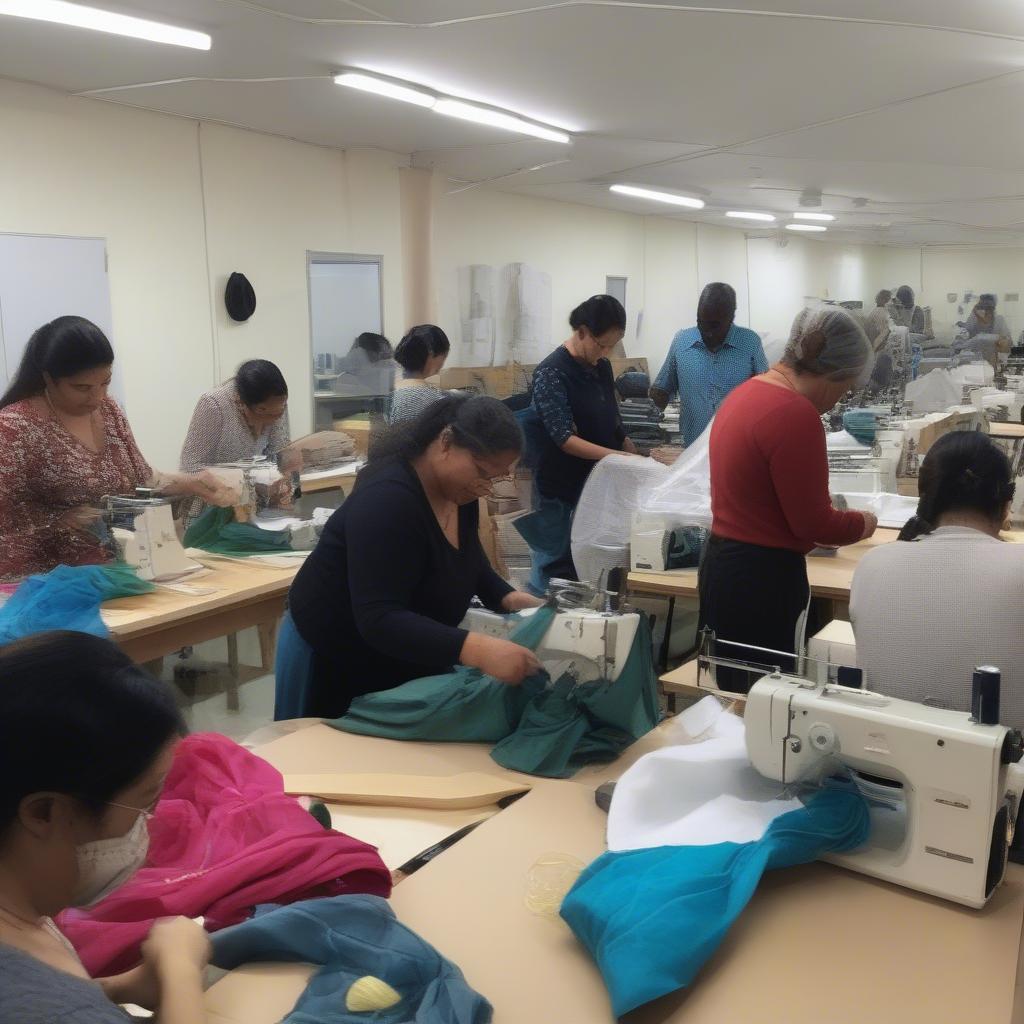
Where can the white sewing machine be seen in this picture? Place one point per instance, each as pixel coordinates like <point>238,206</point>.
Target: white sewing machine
<point>594,644</point>
<point>146,537</point>
<point>944,789</point>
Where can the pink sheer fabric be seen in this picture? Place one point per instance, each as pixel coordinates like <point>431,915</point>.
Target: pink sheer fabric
<point>224,839</point>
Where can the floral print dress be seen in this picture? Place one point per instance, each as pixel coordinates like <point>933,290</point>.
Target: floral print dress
<point>44,472</point>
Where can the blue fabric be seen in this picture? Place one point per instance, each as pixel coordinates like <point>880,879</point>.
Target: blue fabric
<point>68,597</point>
<point>293,673</point>
<point>352,937</point>
<point>548,531</point>
<point>702,379</point>
<point>535,437</point>
<point>652,918</point>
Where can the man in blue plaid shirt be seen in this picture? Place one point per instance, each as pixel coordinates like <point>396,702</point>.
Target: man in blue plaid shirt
<point>706,362</point>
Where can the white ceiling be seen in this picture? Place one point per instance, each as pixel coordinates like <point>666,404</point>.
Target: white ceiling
<point>912,105</point>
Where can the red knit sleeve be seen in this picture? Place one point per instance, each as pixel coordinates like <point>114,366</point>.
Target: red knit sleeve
<point>794,442</point>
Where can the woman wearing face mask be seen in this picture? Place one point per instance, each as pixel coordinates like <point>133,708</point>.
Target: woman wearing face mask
<point>770,500</point>
<point>65,446</point>
<point>380,599</point>
<point>73,827</point>
<point>574,399</point>
<point>240,420</point>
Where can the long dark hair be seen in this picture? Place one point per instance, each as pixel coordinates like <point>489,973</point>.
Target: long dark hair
<point>420,344</point>
<point>61,348</point>
<point>259,379</point>
<point>77,716</point>
<point>963,471</point>
<point>482,425</point>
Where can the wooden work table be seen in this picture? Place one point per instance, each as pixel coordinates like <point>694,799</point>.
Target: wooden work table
<point>830,576</point>
<point>244,593</point>
<point>817,944</point>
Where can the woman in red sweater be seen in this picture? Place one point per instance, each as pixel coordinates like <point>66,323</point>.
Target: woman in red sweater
<point>770,501</point>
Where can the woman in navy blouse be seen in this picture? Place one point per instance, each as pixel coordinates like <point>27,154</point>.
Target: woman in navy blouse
<point>574,399</point>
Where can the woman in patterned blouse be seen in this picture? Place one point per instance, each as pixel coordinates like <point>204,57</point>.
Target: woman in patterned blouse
<point>66,445</point>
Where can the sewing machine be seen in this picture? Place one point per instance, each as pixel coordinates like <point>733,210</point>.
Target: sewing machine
<point>594,644</point>
<point>143,535</point>
<point>944,788</point>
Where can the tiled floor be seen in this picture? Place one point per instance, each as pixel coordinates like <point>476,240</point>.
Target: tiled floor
<point>203,698</point>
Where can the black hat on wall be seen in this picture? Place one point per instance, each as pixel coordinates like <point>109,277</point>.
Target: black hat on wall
<point>239,297</point>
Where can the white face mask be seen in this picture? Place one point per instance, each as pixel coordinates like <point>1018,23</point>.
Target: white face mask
<point>107,864</point>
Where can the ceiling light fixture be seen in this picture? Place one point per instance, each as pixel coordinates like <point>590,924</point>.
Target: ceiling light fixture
<point>806,227</point>
<point>747,215</point>
<point>813,216</point>
<point>658,197</point>
<point>384,87</point>
<point>60,12</point>
<point>478,113</point>
<point>497,119</point>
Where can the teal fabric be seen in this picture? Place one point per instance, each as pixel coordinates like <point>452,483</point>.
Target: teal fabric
<point>461,706</point>
<point>216,531</point>
<point>541,730</point>
<point>352,937</point>
<point>68,597</point>
<point>652,918</point>
<point>293,672</point>
<point>861,424</point>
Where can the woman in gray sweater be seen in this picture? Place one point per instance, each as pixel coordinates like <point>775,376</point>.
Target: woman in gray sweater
<point>949,595</point>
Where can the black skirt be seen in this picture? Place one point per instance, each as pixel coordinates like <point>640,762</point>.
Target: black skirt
<point>752,595</point>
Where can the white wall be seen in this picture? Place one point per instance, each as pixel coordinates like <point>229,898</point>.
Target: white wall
<point>181,206</point>
<point>77,167</point>
<point>980,270</point>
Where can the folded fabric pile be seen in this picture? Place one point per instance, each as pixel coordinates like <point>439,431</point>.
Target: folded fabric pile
<point>538,728</point>
<point>224,839</point>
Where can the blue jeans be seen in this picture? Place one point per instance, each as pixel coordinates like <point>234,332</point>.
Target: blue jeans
<point>548,530</point>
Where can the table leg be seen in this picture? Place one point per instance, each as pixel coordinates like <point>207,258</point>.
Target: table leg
<point>667,639</point>
<point>268,644</point>
<point>155,667</point>
<point>232,685</point>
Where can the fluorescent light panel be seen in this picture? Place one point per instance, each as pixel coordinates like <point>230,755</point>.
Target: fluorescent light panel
<point>383,87</point>
<point>450,107</point>
<point>497,119</point>
<point>748,215</point>
<point>813,216</point>
<point>806,227</point>
<point>658,197</point>
<point>59,12</point>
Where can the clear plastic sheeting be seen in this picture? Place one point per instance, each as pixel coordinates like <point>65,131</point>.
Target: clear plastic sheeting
<point>935,392</point>
<point>604,513</point>
<point>683,495</point>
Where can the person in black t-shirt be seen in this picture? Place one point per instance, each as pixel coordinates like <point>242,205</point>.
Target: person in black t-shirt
<point>380,599</point>
<point>574,400</point>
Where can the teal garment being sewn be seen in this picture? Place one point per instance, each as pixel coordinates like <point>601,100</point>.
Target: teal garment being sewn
<point>551,731</point>
<point>216,531</point>
<point>461,706</point>
<point>68,597</point>
<point>652,918</point>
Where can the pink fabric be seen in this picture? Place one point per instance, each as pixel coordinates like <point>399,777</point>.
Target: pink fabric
<point>224,839</point>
